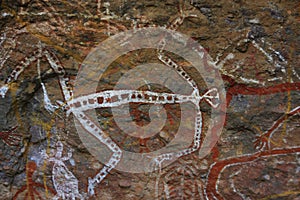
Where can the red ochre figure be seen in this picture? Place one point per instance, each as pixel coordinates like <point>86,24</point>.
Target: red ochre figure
<point>30,188</point>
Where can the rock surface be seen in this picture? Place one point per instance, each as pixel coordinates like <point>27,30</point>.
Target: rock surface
<point>255,46</point>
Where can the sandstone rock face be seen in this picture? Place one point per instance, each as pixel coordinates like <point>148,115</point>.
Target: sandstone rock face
<point>229,131</point>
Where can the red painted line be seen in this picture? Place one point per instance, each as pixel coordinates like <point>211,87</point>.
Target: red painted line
<point>280,120</point>
<point>220,165</point>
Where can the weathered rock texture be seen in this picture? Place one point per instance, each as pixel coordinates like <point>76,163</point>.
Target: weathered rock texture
<point>256,47</point>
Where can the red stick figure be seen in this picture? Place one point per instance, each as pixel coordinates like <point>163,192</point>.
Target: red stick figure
<point>30,187</point>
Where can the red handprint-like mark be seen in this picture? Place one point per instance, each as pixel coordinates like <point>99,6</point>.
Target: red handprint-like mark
<point>10,137</point>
